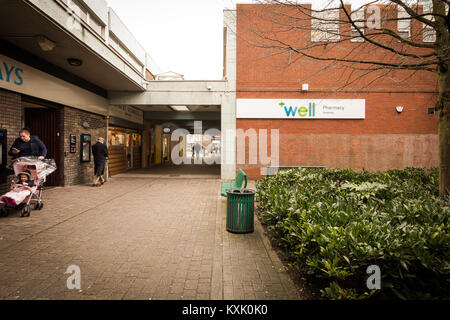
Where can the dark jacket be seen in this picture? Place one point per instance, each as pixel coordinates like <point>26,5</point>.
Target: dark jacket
<point>33,148</point>
<point>30,183</point>
<point>100,153</point>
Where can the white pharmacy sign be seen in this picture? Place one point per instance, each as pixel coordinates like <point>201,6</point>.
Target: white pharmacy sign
<point>301,108</point>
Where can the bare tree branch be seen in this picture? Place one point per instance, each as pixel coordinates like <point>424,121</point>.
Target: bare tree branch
<point>379,44</point>
<point>411,12</point>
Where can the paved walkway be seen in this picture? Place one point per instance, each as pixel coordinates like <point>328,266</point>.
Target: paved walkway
<point>137,238</point>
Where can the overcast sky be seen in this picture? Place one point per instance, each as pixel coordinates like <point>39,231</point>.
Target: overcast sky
<point>184,36</point>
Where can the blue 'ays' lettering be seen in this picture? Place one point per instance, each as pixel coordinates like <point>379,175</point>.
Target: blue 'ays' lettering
<point>11,74</point>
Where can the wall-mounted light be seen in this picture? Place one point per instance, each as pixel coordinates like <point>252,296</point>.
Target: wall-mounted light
<point>45,43</point>
<point>399,109</point>
<point>208,88</point>
<point>75,62</point>
<point>305,87</point>
<point>85,125</point>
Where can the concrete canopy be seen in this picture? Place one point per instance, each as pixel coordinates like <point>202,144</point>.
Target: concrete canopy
<point>21,23</point>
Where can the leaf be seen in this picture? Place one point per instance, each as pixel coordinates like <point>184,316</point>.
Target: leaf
<point>404,265</point>
<point>346,259</point>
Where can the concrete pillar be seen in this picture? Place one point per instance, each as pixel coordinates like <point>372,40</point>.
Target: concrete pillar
<point>228,110</point>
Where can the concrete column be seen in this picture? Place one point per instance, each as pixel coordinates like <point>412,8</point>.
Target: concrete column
<point>228,110</point>
<point>144,139</point>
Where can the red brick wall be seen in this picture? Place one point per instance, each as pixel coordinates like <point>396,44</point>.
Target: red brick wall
<point>11,118</point>
<point>76,172</point>
<point>269,69</point>
<point>383,140</point>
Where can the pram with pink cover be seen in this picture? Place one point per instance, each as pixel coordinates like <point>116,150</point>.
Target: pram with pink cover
<point>38,170</point>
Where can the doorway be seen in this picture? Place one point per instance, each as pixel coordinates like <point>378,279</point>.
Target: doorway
<point>166,147</point>
<point>44,123</point>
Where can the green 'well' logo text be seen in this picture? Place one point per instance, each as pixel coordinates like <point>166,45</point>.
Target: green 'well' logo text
<point>303,111</point>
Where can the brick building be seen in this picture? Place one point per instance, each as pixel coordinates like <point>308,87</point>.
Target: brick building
<point>55,74</point>
<point>73,69</point>
<point>370,134</point>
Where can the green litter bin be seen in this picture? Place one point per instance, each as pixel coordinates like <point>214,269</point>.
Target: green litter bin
<point>240,210</point>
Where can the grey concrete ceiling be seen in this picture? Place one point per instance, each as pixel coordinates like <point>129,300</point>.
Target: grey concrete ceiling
<point>168,109</point>
<point>19,24</point>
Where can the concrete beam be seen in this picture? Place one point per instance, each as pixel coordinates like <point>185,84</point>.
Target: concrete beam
<point>164,98</point>
<point>187,85</point>
<point>173,93</point>
<point>157,115</point>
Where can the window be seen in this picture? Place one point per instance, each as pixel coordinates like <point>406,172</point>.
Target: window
<point>332,34</point>
<point>358,19</point>
<point>325,26</point>
<point>403,23</point>
<point>116,138</point>
<point>429,34</point>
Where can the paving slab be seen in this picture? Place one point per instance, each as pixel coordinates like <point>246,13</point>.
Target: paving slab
<point>137,237</point>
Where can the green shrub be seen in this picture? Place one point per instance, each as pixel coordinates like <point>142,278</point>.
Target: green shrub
<point>334,223</point>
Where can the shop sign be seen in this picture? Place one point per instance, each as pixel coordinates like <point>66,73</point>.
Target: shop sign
<point>301,108</point>
<point>127,113</point>
<point>21,78</point>
<point>10,73</point>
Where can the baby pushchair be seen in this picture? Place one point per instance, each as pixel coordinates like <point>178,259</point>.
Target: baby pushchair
<point>38,170</point>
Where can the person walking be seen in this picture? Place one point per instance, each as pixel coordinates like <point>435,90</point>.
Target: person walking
<point>100,153</point>
<point>197,150</point>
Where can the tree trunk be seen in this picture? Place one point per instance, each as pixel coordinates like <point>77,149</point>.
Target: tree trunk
<point>443,104</point>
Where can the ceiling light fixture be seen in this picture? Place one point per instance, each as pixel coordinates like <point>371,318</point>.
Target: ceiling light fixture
<point>180,108</point>
<point>75,62</point>
<point>45,43</point>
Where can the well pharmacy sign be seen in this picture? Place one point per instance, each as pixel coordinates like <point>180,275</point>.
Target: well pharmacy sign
<point>301,109</point>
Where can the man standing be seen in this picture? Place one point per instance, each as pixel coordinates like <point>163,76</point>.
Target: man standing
<point>27,146</point>
<point>100,153</point>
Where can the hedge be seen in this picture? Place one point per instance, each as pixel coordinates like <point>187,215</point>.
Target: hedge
<point>333,224</point>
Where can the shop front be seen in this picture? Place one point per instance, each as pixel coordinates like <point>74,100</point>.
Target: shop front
<point>125,149</point>
<point>54,110</point>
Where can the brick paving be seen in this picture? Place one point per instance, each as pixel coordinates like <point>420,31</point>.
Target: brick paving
<point>137,238</point>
